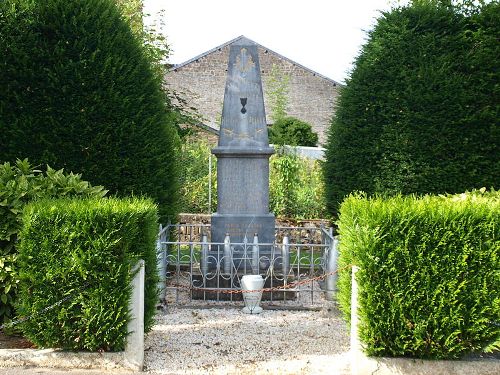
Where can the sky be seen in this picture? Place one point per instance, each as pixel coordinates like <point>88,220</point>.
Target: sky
<point>323,35</point>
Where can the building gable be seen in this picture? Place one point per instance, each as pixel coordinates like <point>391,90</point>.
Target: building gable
<point>201,81</point>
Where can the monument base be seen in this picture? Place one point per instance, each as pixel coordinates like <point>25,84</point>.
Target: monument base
<point>239,226</point>
<point>241,230</point>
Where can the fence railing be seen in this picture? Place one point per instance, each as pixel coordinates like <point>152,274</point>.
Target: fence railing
<point>193,268</point>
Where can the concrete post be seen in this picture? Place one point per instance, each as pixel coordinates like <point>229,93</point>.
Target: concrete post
<point>355,343</point>
<point>161,263</point>
<point>331,266</point>
<point>134,348</point>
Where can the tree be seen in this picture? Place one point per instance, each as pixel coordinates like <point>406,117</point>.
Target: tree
<point>419,113</point>
<point>79,92</point>
<point>292,131</point>
<point>277,91</point>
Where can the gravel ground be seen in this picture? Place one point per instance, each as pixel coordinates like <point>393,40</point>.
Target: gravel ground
<point>227,341</point>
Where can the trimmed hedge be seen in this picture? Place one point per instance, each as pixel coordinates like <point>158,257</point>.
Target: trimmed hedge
<point>419,113</point>
<point>429,273</point>
<point>20,184</point>
<point>84,250</point>
<point>79,92</point>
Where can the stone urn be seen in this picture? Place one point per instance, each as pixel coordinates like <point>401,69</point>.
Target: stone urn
<point>252,299</point>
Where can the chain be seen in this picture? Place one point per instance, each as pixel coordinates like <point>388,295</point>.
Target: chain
<point>39,312</point>
<point>271,289</point>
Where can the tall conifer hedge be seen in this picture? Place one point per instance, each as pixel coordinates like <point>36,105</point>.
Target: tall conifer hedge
<point>419,113</point>
<point>78,92</point>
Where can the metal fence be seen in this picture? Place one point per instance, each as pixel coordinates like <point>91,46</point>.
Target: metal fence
<point>297,267</point>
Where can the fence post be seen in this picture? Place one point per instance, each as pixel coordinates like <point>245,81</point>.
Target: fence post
<point>331,266</point>
<point>227,254</point>
<point>255,255</point>
<point>210,184</point>
<point>204,254</point>
<point>161,263</point>
<point>134,347</point>
<point>285,252</point>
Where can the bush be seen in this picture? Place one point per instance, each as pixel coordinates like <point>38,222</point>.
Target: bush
<point>283,184</point>
<point>292,131</point>
<point>419,113</point>
<point>84,250</point>
<point>194,181</point>
<point>19,185</point>
<point>429,273</point>
<point>296,189</point>
<point>80,94</point>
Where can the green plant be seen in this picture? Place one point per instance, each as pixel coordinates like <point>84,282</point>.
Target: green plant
<point>82,93</point>
<point>19,185</point>
<point>292,131</point>
<point>194,181</point>
<point>284,180</point>
<point>82,251</point>
<point>310,191</point>
<point>428,278</point>
<point>419,113</point>
<point>277,91</point>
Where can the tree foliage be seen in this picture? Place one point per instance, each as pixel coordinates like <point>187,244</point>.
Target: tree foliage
<point>79,92</point>
<point>277,91</point>
<point>419,113</point>
<point>293,132</point>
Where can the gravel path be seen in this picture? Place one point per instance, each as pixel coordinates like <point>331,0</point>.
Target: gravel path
<point>227,341</point>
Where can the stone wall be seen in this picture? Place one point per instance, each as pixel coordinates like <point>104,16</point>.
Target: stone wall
<point>311,96</point>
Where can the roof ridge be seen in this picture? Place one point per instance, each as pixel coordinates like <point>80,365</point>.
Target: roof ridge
<point>177,66</point>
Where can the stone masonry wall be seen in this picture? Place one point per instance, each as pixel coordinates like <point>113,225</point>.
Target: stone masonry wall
<point>311,97</point>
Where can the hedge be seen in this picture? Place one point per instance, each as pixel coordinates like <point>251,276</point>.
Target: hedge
<point>20,184</point>
<point>79,92</point>
<point>429,273</point>
<point>419,112</point>
<point>82,252</point>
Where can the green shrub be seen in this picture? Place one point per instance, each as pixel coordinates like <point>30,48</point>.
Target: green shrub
<point>283,184</point>
<point>20,184</point>
<point>419,113</point>
<point>277,90</point>
<point>85,250</point>
<point>296,189</point>
<point>310,191</point>
<point>79,93</point>
<point>194,179</point>
<point>429,273</point>
<point>293,132</point>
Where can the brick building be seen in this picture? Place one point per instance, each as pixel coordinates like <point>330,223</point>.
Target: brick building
<point>201,81</point>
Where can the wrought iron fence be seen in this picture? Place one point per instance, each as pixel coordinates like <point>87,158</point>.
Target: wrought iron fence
<point>192,268</point>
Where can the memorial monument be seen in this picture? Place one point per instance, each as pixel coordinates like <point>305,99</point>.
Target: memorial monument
<point>243,154</point>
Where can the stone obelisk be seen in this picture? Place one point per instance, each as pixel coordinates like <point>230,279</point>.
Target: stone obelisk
<point>243,153</point>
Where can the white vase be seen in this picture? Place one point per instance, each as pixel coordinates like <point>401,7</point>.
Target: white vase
<point>252,299</point>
